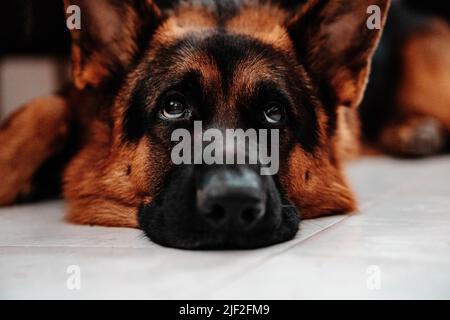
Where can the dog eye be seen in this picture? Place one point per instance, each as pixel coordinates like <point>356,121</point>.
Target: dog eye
<point>274,114</point>
<point>174,107</point>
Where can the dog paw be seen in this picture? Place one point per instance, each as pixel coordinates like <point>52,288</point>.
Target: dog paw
<point>418,137</point>
<point>424,139</point>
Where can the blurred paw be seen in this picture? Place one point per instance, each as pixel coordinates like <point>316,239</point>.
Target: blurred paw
<point>418,137</point>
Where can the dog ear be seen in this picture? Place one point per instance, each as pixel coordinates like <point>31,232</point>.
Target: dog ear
<point>335,41</point>
<point>109,36</point>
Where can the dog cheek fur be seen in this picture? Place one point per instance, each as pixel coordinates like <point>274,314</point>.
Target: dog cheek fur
<point>316,186</point>
<point>106,183</point>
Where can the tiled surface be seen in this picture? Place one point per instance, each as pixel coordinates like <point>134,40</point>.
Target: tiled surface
<point>397,246</point>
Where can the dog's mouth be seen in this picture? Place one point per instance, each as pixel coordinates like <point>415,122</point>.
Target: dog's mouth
<point>218,208</point>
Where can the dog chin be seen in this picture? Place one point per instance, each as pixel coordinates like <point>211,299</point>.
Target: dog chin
<point>155,228</point>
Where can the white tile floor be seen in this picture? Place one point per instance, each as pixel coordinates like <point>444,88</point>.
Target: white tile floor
<point>398,246</point>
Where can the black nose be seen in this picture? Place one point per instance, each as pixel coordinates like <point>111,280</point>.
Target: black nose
<point>233,199</point>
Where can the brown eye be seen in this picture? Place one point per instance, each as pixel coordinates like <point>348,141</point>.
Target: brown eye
<point>274,114</point>
<point>174,108</point>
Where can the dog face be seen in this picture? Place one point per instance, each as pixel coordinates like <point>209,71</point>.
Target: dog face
<point>231,65</point>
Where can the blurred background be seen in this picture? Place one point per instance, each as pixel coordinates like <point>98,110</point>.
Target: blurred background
<point>34,50</point>
<point>35,45</point>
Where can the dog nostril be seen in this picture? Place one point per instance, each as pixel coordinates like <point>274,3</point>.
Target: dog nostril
<point>216,215</point>
<point>235,211</point>
<point>251,215</point>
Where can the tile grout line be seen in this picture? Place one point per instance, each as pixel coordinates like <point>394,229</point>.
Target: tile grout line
<point>265,259</point>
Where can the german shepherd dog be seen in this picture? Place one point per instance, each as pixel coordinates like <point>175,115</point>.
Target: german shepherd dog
<point>143,68</point>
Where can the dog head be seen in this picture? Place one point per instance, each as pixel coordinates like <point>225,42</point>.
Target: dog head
<point>231,65</point>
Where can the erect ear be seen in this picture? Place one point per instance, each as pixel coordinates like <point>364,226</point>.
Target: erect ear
<point>109,36</point>
<point>335,41</point>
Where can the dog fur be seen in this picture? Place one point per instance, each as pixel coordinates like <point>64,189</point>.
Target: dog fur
<point>95,132</point>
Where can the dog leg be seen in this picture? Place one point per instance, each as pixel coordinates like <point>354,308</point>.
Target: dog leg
<point>28,138</point>
<point>422,121</point>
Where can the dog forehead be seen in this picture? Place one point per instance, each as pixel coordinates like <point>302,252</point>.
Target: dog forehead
<point>263,20</point>
<point>231,61</point>
<point>229,36</point>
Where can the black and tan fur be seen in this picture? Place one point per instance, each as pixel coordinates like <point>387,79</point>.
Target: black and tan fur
<point>228,58</point>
